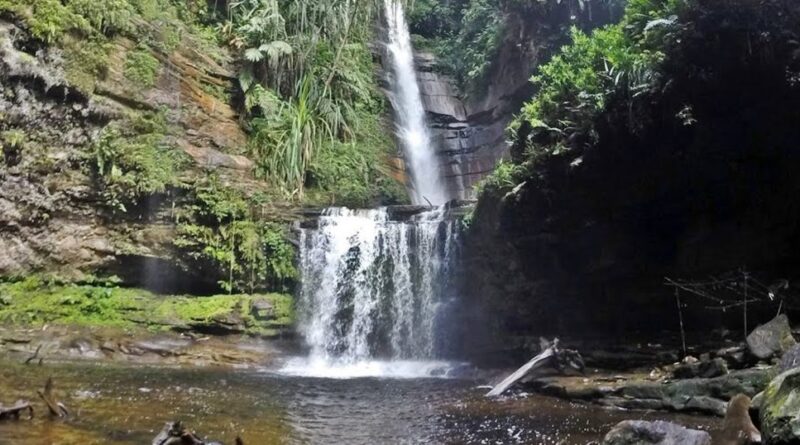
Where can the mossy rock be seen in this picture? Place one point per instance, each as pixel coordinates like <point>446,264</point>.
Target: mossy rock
<point>34,301</point>
<point>780,409</point>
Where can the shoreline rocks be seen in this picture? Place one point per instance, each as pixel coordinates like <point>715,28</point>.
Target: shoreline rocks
<point>640,432</point>
<point>771,339</point>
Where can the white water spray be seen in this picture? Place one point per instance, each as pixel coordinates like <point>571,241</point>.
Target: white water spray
<point>412,130</point>
<point>373,288</point>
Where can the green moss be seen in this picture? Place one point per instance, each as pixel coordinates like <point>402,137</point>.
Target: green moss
<point>33,301</point>
<point>36,300</point>
<point>141,67</point>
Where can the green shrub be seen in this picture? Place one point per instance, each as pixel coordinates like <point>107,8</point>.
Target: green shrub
<point>132,161</point>
<point>47,20</point>
<point>141,67</point>
<point>244,253</point>
<point>574,86</point>
<point>107,16</point>
<point>357,174</point>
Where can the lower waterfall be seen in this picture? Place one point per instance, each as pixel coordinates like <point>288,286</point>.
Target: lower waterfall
<point>373,291</point>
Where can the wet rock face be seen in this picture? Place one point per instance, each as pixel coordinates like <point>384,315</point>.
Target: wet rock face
<point>51,217</point>
<point>780,409</point>
<point>772,338</point>
<point>638,432</point>
<point>46,216</point>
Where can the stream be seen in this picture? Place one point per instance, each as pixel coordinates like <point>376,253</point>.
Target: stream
<point>130,404</point>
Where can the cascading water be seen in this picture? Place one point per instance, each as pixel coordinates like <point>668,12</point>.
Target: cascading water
<point>412,129</point>
<point>373,288</point>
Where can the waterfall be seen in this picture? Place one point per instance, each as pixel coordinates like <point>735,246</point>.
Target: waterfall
<point>373,287</point>
<point>372,291</point>
<point>412,129</point>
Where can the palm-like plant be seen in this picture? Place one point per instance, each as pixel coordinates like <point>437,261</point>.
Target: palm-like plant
<point>305,69</point>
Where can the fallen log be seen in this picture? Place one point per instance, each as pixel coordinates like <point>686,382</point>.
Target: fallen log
<point>56,408</point>
<point>551,355</point>
<point>536,362</point>
<point>14,411</point>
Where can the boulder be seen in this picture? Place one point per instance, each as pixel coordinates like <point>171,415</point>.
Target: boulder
<point>639,432</point>
<point>704,369</point>
<point>780,409</point>
<point>771,339</point>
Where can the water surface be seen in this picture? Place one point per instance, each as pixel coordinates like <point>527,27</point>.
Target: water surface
<point>129,405</point>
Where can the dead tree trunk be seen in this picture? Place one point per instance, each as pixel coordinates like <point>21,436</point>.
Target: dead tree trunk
<point>552,355</point>
<point>536,362</point>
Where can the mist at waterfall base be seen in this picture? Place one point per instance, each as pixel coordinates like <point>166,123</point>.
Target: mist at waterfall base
<point>374,295</point>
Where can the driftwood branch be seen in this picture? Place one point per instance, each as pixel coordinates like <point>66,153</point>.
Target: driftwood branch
<point>14,411</point>
<point>174,433</point>
<point>34,356</point>
<point>534,363</point>
<point>56,408</point>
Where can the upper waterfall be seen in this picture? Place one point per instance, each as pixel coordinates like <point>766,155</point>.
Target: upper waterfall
<point>412,129</point>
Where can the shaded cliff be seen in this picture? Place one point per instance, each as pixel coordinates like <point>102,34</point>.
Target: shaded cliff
<point>684,170</point>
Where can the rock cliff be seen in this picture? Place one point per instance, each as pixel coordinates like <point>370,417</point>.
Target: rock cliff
<point>51,217</point>
<point>469,134</point>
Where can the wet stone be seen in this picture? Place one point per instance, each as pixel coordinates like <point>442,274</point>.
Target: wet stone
<point>638,432</point>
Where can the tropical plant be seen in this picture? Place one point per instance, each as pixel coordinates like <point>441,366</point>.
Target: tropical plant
<point>306,71</point>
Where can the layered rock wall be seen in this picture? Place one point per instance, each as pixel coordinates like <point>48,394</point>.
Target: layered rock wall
<point>469,136</point>
<point>51,217</point>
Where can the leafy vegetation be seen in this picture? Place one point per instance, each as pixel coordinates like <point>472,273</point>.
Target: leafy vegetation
<point>613,63</point>
<point>223,232</point>
<point>132,160</point>
<point>309,88</point>
<point>141,67</point>
<point>356,174</point>
<point>468,35</point>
